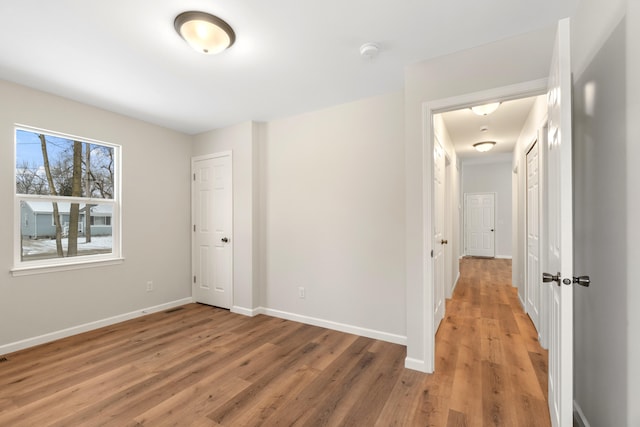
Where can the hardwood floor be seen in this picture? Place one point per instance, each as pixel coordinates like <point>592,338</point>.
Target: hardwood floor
<point>202,366</point>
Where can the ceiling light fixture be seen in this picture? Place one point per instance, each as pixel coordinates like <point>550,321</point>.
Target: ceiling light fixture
<point>486,109</point>
<point>204,32</point>
<point>484,146</point>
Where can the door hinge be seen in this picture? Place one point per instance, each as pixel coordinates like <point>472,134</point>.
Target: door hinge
<point>194,176</point>
<point>194,279</point>
<point>194,228</point>
<point>431,253</point>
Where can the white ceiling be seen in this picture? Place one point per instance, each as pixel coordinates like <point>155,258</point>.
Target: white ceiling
<point>504,127</point>
<point>290,56</point>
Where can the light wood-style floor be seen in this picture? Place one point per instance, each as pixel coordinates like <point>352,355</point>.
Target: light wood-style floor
<point>202,366</point>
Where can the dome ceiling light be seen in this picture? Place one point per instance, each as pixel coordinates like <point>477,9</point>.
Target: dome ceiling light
<point>484,146</point>
<point>204,32</point>
<point>486,109</point>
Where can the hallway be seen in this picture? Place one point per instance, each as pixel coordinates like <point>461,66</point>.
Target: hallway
<point>490,368</point>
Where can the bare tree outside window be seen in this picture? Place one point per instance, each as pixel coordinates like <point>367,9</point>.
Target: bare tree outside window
<point>61,183</point>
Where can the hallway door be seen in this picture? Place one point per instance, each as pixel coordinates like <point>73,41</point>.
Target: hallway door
<point>438,233</point>
<point>558,225</point>
<point>533,290</point>
<point>212,211</point>
<point>479,224</point>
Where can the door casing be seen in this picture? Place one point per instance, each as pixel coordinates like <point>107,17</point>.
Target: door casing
<point>429,109</point>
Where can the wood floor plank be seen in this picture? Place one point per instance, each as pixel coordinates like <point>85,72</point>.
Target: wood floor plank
<point>456,419</point>
<point>203,366</point>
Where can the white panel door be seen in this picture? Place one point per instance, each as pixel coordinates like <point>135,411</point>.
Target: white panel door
<point>438,233</point>
<point>212,226</point>
<point>558,227</point>
<point>479,224</point>
<point>533,291</point>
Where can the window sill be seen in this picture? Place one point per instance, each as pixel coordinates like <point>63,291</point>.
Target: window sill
<point>44,269</point>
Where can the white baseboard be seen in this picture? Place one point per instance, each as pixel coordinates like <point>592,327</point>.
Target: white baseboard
<point>251,312</point>
<point>416,365</point>
<point>350,329</point>
<point>521,302</point>
<point>52,336</point>
<point>455,283</point>
<point>578,416</point>
<point>504,257</point>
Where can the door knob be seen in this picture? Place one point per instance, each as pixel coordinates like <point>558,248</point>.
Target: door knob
<point>547,278</point>
<point>444,242</point>
<point>224,239</point>
<point>582,281</point>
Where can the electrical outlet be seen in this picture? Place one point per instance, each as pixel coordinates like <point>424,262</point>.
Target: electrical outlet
<point>301,292</point>
<point>149,286</point>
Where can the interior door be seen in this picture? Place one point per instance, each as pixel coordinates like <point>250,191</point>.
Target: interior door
<point>533,289</point>
<point>479,224</point>
<point>438,232</point>
<point>212,225</point>
<point>558,226</point>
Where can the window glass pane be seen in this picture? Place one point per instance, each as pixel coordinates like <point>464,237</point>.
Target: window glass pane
<point>42,237</point>
<point>56,166</point>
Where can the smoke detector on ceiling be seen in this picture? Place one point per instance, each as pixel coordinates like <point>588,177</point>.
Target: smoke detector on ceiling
<point>369,50</point>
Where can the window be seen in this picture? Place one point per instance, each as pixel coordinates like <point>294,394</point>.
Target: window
<point>68,197</point>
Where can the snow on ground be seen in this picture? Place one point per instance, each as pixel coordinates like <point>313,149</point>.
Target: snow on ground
<point>98,244</point>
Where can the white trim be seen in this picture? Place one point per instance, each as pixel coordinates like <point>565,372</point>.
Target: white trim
<point>74,330</point>
<point>78,265</point>
<point>336,326</point>
<point>578,416</point>
<point>503,257</point>
<point>455,283</point>
<point>521,301</point>
<point>429,108</point>
<point>416,365</point>
<point>47,265</point>
<point>251,312</point>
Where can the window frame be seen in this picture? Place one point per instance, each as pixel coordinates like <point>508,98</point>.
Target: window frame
<point>21,267</point>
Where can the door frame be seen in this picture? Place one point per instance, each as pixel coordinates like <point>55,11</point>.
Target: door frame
<point>429,109</point>
<point>194,159</point>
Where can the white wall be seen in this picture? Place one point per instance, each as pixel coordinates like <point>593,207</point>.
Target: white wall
<point>332,186</point>
<point>633,210</point>
<point>483,177</point>
<point>156,218</point>
<point>242,140</point>
<point>605,214</point>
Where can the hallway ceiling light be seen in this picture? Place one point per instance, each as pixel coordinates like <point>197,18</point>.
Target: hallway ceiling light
<point>484,146</point>
<point>204,32</point>
<point>486,109</point>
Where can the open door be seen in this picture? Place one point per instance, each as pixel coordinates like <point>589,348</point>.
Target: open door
<point>558,226</point>
<point>438,233</point>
